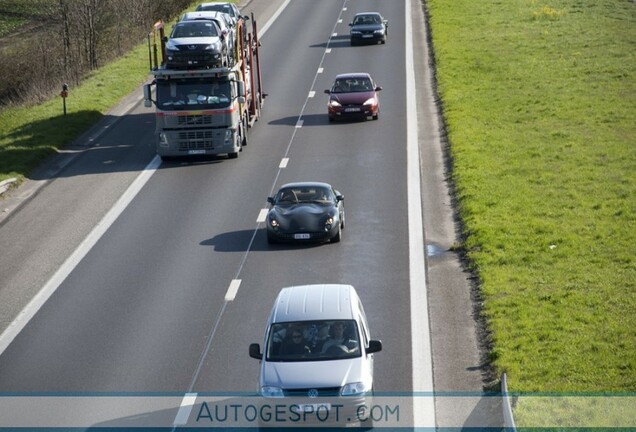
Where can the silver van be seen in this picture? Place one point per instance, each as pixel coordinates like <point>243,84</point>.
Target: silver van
<point>318,352</point>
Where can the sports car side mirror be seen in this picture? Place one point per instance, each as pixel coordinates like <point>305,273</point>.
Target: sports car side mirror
<point>340,197</point>
<point>378,88</point>
<point>327,91</point>
<point>270,200</point>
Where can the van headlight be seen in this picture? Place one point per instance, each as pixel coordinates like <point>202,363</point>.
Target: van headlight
<point>369,102</point>
<point>353,389</point>
<point>272,392</point>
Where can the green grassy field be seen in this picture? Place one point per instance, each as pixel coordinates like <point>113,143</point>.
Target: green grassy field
<point>14,14</point>
<point>540,100</point>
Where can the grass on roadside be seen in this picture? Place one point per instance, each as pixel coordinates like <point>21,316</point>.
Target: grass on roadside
<point>28,135</point>
<point>540,99</point>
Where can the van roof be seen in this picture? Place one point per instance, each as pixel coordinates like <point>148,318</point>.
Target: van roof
<point>314,302</point>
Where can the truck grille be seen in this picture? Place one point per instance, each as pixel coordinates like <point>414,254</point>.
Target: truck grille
<point>196,140</point>
<point>186,120</point>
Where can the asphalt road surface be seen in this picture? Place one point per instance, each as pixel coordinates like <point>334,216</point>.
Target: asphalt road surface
<point>144,306</point>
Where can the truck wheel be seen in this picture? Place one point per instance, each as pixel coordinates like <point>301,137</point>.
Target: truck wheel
<point>232,155</point>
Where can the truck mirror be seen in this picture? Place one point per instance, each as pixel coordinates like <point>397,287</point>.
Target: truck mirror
<point>147,96</point>
<point>241,99</point>
<point>241,88</point>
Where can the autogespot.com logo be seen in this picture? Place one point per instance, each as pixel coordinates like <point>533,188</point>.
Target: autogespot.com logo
<point>273,414</point>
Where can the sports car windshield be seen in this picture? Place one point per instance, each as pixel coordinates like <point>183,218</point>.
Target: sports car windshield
<point>192,94</point>
<point>313,341</point>
<point>297,195</point>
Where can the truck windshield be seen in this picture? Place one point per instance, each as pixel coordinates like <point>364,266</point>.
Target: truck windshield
<point>192,94</point>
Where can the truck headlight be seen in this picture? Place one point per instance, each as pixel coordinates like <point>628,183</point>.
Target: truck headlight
<point>228,135</point>
<point>163,139</point>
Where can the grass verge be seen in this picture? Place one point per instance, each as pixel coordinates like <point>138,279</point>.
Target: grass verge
<point>28,135</point>
<point>539,100</point>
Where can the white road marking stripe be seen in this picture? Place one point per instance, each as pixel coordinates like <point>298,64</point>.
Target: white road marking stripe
<point>230,295</point>
<point>328,50</point>
<point>283,163</point>
<point>334,34</point>
<point>185,409</point>
<point>74,259</point>
<point>312,94</point>
<point>424,406</point>
<point>320,70</point>
<point>340,21</point>
<point>300,123</point>
<point>262,215</point>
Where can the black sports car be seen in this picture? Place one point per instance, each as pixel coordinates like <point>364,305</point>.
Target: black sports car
<point>306,211</point>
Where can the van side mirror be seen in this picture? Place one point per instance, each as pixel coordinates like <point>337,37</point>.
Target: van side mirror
<point>374,346</point>
<point>327,91</point>
<point>255,351</point>
<point>270,200</point>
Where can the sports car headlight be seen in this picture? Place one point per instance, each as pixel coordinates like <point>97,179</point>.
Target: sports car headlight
<point>274,223</point>
<point>272,392</point>
<point>379,32</point>
<point>334,103</point>
<point>329,223</point>
<point>353,389</point>
<point>369,102</point>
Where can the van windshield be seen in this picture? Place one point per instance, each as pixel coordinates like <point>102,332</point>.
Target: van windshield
<point>313,341</point>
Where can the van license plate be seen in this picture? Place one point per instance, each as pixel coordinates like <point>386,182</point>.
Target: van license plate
<point>352,109</point>
<point>302,236</point>
<point>314,408</point>
<point>196,152</point>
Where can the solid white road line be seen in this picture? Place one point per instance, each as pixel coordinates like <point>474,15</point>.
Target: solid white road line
<point>74,259</point>
<point>423,406</point>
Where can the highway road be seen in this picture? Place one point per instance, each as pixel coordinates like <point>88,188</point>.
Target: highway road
<point>146,306</point>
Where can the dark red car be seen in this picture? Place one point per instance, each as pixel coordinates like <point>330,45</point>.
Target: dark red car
<point>353,95</point>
